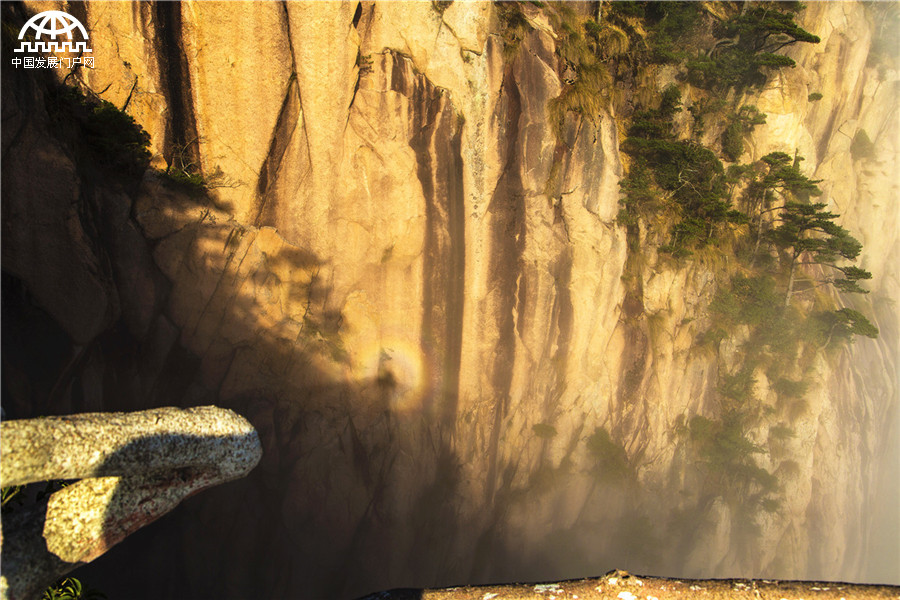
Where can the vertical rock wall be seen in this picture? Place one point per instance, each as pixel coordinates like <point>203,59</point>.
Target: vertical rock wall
<point>421,299</point>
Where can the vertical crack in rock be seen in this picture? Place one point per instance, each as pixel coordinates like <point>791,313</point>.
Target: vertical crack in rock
<point>562,317</point>
<point>507,210</point>
<point>636,354</point>
<point>437,133</point>
<point>181,126</point>
<point>360,71</point>
<point>456,280</point>
<point>285,126</point>
<point>79,10</point>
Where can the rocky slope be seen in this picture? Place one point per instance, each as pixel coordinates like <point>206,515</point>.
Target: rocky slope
<point>422,300</point>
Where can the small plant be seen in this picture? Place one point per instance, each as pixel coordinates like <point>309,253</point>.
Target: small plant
<point>11,495</point>
<point>737,389</point>
<point>514,26</point>
<point>814,97</point>
<point>183,172</point>
<point>365,64</point>
<point>733,141</point>
<point>585,48</point>
<point>741,124</point>
<point>611,460</point>
<point>71,589</point>
<point>544,431</point>
<point>192,182</point>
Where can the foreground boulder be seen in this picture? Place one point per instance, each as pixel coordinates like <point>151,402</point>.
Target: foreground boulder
<point>133,468</point>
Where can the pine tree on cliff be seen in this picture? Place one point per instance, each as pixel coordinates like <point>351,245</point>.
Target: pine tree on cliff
<point>775,176</point>
<point>747,46</point>
<point>807,234</point>
<point>806,230</point>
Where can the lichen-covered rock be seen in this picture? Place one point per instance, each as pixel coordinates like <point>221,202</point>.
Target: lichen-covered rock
<point>121,444</point>
<point>133,468</point>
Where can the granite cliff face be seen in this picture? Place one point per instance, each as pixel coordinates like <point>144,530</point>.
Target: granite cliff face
<point>421,299</point>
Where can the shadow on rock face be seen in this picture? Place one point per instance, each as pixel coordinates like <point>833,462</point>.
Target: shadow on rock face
<point>123,294</point>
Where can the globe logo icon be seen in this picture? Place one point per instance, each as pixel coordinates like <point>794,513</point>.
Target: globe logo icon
<point>53,23</point>
<point>53,32</point>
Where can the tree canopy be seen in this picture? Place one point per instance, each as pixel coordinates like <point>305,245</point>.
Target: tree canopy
<point>747,43</point>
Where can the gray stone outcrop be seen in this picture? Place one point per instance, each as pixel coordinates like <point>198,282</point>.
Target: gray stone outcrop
<point>133,468</point>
